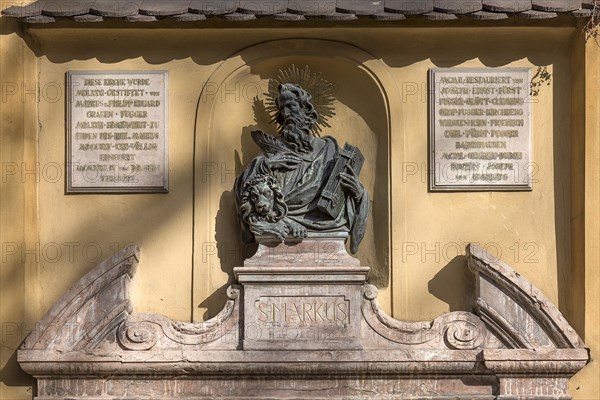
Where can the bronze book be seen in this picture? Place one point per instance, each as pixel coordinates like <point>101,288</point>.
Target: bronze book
<point>332,198</point>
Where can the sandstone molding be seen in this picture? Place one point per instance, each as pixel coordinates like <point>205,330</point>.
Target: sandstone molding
<point>303,323</point>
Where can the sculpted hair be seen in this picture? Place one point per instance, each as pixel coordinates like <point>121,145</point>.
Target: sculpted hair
<point>304,99</point>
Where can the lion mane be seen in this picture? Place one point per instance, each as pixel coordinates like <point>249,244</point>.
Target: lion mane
<point>252,189</point>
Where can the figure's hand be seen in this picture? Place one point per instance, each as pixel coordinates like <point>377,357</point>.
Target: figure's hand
<point>350,183</point>
<point>283,161</point>
<point>277,229</point>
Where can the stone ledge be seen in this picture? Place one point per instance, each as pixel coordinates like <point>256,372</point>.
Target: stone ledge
<point>315,362</point>
<point>301,275</point>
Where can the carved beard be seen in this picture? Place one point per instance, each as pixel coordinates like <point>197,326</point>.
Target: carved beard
<point>296,132</point>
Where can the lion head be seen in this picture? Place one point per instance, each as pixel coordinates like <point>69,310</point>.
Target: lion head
<point>262,200</point>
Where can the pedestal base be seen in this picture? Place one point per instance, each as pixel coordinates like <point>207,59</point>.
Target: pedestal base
<point>302,296</point>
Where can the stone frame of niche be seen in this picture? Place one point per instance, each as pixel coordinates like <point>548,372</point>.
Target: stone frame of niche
<point>514,345</point>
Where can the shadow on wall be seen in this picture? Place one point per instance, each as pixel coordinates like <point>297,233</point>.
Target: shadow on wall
<point>455,285</point>
<point>212,43</point>
<point>571,297</point>
<point>231,250</point>
<point>12,374</point>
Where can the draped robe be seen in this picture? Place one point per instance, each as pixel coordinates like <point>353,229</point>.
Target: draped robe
<point>302,187</point>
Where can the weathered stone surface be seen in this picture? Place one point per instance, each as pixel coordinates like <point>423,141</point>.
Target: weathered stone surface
<point>322,334</point>
<point>516,311</point>
<point>353,386</point>
<point>151,331</point>
<point>319,250</point>
<point>456,330</point>
<point>92,308</point>
<point>302,294</point>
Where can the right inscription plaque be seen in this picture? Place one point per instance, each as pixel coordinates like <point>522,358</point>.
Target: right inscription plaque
<point>480,129</point>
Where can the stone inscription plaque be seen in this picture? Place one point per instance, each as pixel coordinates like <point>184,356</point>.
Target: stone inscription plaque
<point>480,129</point>
<point>117,138</point>
<point>300,318</point>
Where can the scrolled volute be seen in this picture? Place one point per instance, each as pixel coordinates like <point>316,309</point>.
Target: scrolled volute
<point>138,335</point>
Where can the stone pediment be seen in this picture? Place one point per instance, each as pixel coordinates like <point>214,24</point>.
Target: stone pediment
<point>307,326</point>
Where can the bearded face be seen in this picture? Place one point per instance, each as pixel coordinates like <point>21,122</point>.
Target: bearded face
<point>295,125</point>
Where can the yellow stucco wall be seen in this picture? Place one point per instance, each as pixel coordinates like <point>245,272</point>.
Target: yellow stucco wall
<point>19,283</point>
<point>416,245</point>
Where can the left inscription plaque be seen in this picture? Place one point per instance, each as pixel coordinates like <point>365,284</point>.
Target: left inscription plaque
<point>117,137</point>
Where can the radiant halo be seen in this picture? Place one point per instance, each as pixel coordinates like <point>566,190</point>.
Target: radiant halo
<point>319,88</point>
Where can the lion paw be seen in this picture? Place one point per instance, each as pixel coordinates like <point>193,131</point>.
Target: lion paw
<point>277,229</point>
<point>298,231</point>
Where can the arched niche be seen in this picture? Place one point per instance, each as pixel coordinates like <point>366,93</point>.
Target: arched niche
<point>232,105</point>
